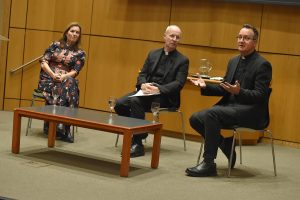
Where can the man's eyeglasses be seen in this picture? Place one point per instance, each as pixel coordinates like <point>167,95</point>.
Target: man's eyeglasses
<point>244,37</point>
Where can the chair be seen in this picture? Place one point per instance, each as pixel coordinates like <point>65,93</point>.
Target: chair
<point>237,131</point>
<point>38,95</point>
<point>169,110</point>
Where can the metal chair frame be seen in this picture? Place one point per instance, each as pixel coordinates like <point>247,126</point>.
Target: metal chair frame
<point>236,131</point>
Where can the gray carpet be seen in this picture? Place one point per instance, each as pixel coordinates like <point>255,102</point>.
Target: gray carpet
<point>89,169</point>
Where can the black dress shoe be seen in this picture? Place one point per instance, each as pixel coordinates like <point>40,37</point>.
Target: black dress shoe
<point>67,137</point>
<point>225,146</point>
<point>137,150</point>
<point>202,170</point>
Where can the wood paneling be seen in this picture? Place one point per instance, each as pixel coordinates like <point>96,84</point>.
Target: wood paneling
<point>27,103</point>
<point>55,15</point>
<point>195,19</point>
<point>214,24</point>
<point>113,68</point>
<point>145,20</point>
<point>4,27</point>
<point>284,109</point>
<point>14,60</point>
<point>11,104</point>
<point>228,19</point>
<point>281,24</point>
<point>18,13</point>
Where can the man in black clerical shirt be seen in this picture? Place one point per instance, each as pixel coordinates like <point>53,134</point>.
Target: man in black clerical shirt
<point>245,92</point>
<point>164,73</point>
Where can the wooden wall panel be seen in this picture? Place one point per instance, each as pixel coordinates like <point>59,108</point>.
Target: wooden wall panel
<point>281,24</point>
<point>113,71</point>
<point>18,13</point>
<point>228,19</point>
<point>55,15</point>
<point>11,104</point>
<point>195,19</point>
<point>4,27</point>
<point>27,103</point>
<point>14,60</point>
<point>202,26</point>
<point>145,20</point>
<point>284,108</point>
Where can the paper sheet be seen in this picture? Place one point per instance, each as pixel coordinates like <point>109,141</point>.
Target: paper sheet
<point>141,93</point>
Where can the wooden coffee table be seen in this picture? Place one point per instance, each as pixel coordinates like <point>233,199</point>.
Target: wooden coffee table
<point>93,120</point>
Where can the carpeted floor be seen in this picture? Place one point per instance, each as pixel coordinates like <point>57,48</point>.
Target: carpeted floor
<point>89,169</point>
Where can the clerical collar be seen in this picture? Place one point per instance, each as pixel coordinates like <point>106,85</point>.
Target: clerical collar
<point>248,56</point>
<point>166,53</point>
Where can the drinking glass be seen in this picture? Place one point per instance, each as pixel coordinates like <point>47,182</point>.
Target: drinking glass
<point>205,68</point>
<point>155,111</point>
<point>111,103</point>
<point>55,94</point>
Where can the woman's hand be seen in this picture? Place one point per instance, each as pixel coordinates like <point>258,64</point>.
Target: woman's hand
<point>57,77</point>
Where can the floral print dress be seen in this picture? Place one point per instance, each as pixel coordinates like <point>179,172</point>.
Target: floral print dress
<point>61,60</point>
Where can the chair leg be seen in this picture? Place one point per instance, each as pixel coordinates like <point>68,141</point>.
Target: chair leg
<point>273,152</point>
<point>29,119</point>
<point>73,132</point>
<point>231,153</point>
<point>117,139</point>
<point>183,130</point>
<point>28,125</point>
<point>200,152</point>
<point>240,146</point>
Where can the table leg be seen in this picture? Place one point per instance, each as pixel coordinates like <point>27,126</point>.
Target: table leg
<point>51,134</point>
<point>156,149</point>
<point>125,154</point>
<point>16,133</point>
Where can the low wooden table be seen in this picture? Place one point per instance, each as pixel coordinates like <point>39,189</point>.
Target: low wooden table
<point>93,120</point>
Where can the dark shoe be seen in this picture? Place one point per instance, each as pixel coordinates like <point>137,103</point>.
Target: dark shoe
<point>202,170</point>
<point>67,137</point>
<point>225,146</point>
<point>137,150</point>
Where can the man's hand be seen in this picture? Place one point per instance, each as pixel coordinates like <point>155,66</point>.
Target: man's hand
<point>198,82</point>
<point>233,89</point>
<point>148,88</point>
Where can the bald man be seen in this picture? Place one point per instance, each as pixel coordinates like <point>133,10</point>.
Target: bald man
<point>164,74</point>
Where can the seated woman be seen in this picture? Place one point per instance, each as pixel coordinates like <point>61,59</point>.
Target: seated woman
<point>60,64</point>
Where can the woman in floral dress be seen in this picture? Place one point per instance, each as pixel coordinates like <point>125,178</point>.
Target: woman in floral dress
<point>60,64</point>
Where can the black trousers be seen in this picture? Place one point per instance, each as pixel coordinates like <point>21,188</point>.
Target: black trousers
<point>209,123</point>
<point>136,107</point>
